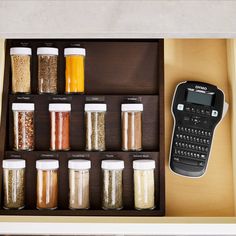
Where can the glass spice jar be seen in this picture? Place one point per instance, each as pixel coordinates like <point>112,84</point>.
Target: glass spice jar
<point>131,119</point>
<point>14,183</point>
<point>47,69</point>
<point>112,184</point>
<point>20,64</point>
<point>79,184</point>
<point>47,184</point>
<point>60,126</point>
<point>23,118</point>
<point>74,73</point>
<point>144,186</point>
<point>95,126</point>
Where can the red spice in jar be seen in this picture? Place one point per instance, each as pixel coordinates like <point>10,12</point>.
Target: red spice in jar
<point>60,128</point>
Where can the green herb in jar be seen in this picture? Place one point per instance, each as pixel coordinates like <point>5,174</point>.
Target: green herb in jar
<point>14,188</point>
<point>112,189</point>
<point>95,131</point>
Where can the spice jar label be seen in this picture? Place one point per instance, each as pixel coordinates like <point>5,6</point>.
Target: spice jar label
<point>95,99</point>
<point>79,155</point>
<point>45,155</point>
<point>133,99</point>
<point>24,98</point>
<point>60,98</point>
<point>110,155</point>
<point>15,156</point>
<point>139,155</point>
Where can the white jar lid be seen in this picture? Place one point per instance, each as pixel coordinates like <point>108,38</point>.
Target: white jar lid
<point>74,51</point>
<point>47,51</point>
<point>13,164</point>
<point>95,107</point>
<point>20,51</point>
<point>79,164</point>
<point>59,107</point>
<point>144,164</point>
<point>23,106</point>
<point>113,164</point>
<point>132,107</point>
<point>47,164</point>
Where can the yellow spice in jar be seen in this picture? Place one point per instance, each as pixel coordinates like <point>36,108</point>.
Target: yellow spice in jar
<point>74,74</point>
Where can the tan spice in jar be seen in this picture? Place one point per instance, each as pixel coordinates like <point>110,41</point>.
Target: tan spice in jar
<point>132,130</point>
<point>20,63</point>
<point>144,184</point>
<point>79,189</point>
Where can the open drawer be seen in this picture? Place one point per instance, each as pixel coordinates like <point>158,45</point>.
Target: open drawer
<point>209,199</point>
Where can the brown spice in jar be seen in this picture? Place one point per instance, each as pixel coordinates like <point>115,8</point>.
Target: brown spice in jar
<point>47,74</point>
<point>47,189</point>
<point>131,130</point>
<point>20,73</point>
<point>14,188</point>
<point>60,130</point>
<point>23,130</point>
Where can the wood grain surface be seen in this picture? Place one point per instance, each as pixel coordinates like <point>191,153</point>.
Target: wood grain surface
<point>211,195</point>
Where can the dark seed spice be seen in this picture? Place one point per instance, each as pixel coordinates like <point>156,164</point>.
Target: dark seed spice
<point>47,73</point>
<point>95,131</point>
<point>14,188</point>
<point>23,130</point>
<point>112,189</point>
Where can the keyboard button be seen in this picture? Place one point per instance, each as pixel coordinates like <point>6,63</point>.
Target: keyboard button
<point>186,118</point>
<point>208,112</point>
<point>176,159</point>
<point>202,111</point>
<point>189,162</point>
<point>201,164</point>
<point>214,113</point>
<point>187,108</point>
<point>193,110</point>
<point>203,156</point>
<point>180,107</point>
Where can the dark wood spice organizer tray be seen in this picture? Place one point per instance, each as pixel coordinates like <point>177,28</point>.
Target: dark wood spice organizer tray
<point>114,69</point>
